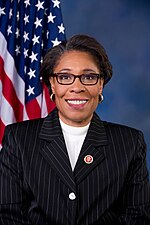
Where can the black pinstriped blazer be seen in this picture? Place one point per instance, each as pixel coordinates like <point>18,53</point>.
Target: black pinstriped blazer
<point>36,177</point>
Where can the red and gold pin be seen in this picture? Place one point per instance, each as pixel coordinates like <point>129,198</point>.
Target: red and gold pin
<point>88,159</point>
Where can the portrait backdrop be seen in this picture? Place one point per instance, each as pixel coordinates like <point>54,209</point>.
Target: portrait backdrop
<point>123,27</point>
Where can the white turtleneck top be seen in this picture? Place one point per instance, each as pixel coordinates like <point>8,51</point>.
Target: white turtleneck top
<point>74,138</point>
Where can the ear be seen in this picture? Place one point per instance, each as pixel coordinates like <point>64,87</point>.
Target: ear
<point>101,86</point>
<point>51,80</point>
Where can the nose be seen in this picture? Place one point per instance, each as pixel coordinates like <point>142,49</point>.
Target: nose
<point>77,86</point>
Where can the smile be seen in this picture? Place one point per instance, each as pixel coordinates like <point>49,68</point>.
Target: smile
<point>77,102</point>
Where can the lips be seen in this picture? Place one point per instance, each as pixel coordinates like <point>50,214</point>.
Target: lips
<point>77,102</point>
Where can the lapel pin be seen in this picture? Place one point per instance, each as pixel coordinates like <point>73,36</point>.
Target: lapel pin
<point>88,159</point>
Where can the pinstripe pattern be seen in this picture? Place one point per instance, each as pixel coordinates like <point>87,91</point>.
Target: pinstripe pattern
<point>36,177</point>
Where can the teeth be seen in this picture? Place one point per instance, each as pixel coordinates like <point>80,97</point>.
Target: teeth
<point>76,102</point>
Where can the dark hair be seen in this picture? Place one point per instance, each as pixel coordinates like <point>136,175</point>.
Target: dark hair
<point>80,43</point>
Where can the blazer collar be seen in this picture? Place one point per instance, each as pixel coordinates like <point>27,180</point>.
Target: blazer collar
<point>97,133</point>
<point>51,129</point>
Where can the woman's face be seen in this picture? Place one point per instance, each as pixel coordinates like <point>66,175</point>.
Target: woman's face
<point>76,102</point>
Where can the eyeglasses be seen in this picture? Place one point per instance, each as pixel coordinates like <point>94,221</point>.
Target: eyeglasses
<point>85,79</point>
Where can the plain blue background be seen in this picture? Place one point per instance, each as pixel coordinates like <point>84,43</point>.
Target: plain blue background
<point>123,28</point>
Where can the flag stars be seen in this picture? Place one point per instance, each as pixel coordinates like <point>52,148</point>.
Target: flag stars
<point>26,19</point>
<point>2,11</point>
<point>31,73</point>
<point>25,36</point>
<point>9,30</point>
<point>25,52</point>
<point>51,18</point>
<point>47,34</point>
<point>25,69</point>
<point>61,28</point>
<point>39,5</point>
<point>27,2</point>
<point>31,32</point>
<point>30,90</point>
<point>38,22</point>
<point>18,16</point>
<point>17,50</point>
<point>56,3</point>
<point>56,42</point>
<point>41,61</point>
<point>42,44</point>
<point>33,57</point>
<point>17,33</point>
<point>45,11</point>
<point>10,13</point>
<point>35,39</point>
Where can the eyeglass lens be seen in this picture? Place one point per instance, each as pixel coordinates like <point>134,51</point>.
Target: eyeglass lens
<point>87,79</point>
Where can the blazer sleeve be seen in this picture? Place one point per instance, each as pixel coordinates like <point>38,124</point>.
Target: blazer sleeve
<point>136,194</point>
<point>13,199</point>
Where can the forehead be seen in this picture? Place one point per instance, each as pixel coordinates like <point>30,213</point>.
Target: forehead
<point>75,57</point>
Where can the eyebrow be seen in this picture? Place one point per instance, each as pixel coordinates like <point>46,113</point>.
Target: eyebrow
<point>85,70</point>
<point>89,70</point>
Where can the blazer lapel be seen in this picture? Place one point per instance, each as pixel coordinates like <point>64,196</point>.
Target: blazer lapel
<point>54,150</point>
<point>93,146</point>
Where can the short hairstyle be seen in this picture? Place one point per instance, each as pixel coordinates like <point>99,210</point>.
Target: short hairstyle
<point>82,43</point>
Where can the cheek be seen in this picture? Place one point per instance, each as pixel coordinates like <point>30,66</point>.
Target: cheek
<point>95,91</point>
<point>59,91</point>
<point>55,88</point>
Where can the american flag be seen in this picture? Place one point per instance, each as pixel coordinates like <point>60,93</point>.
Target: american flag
<point>27,29</point>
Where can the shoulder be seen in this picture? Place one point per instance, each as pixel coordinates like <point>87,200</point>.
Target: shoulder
<point>111,125</point>
<point>24,125</point>
<point>116,130</point>
<point>33,124</point>
<point>29,129</point>
<point>115,127</point>
<point>120,128</point>
<point>22,130</point>
<point>124,134</point>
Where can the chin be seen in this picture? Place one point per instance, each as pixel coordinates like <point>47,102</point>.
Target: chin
<point>80,121</point>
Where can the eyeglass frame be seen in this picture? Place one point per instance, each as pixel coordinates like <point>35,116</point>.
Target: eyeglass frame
<point>99,76</point>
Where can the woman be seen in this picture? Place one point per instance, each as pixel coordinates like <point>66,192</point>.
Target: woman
<point>71,168</point>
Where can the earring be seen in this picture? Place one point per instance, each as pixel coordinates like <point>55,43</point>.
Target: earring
<point>52,97</point>
<point>101,98</point>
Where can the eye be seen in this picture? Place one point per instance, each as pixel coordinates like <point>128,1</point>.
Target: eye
<point>89,77</point>
<point>64,76</point>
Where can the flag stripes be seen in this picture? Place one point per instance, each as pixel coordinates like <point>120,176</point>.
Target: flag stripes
<point>27,29</point>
